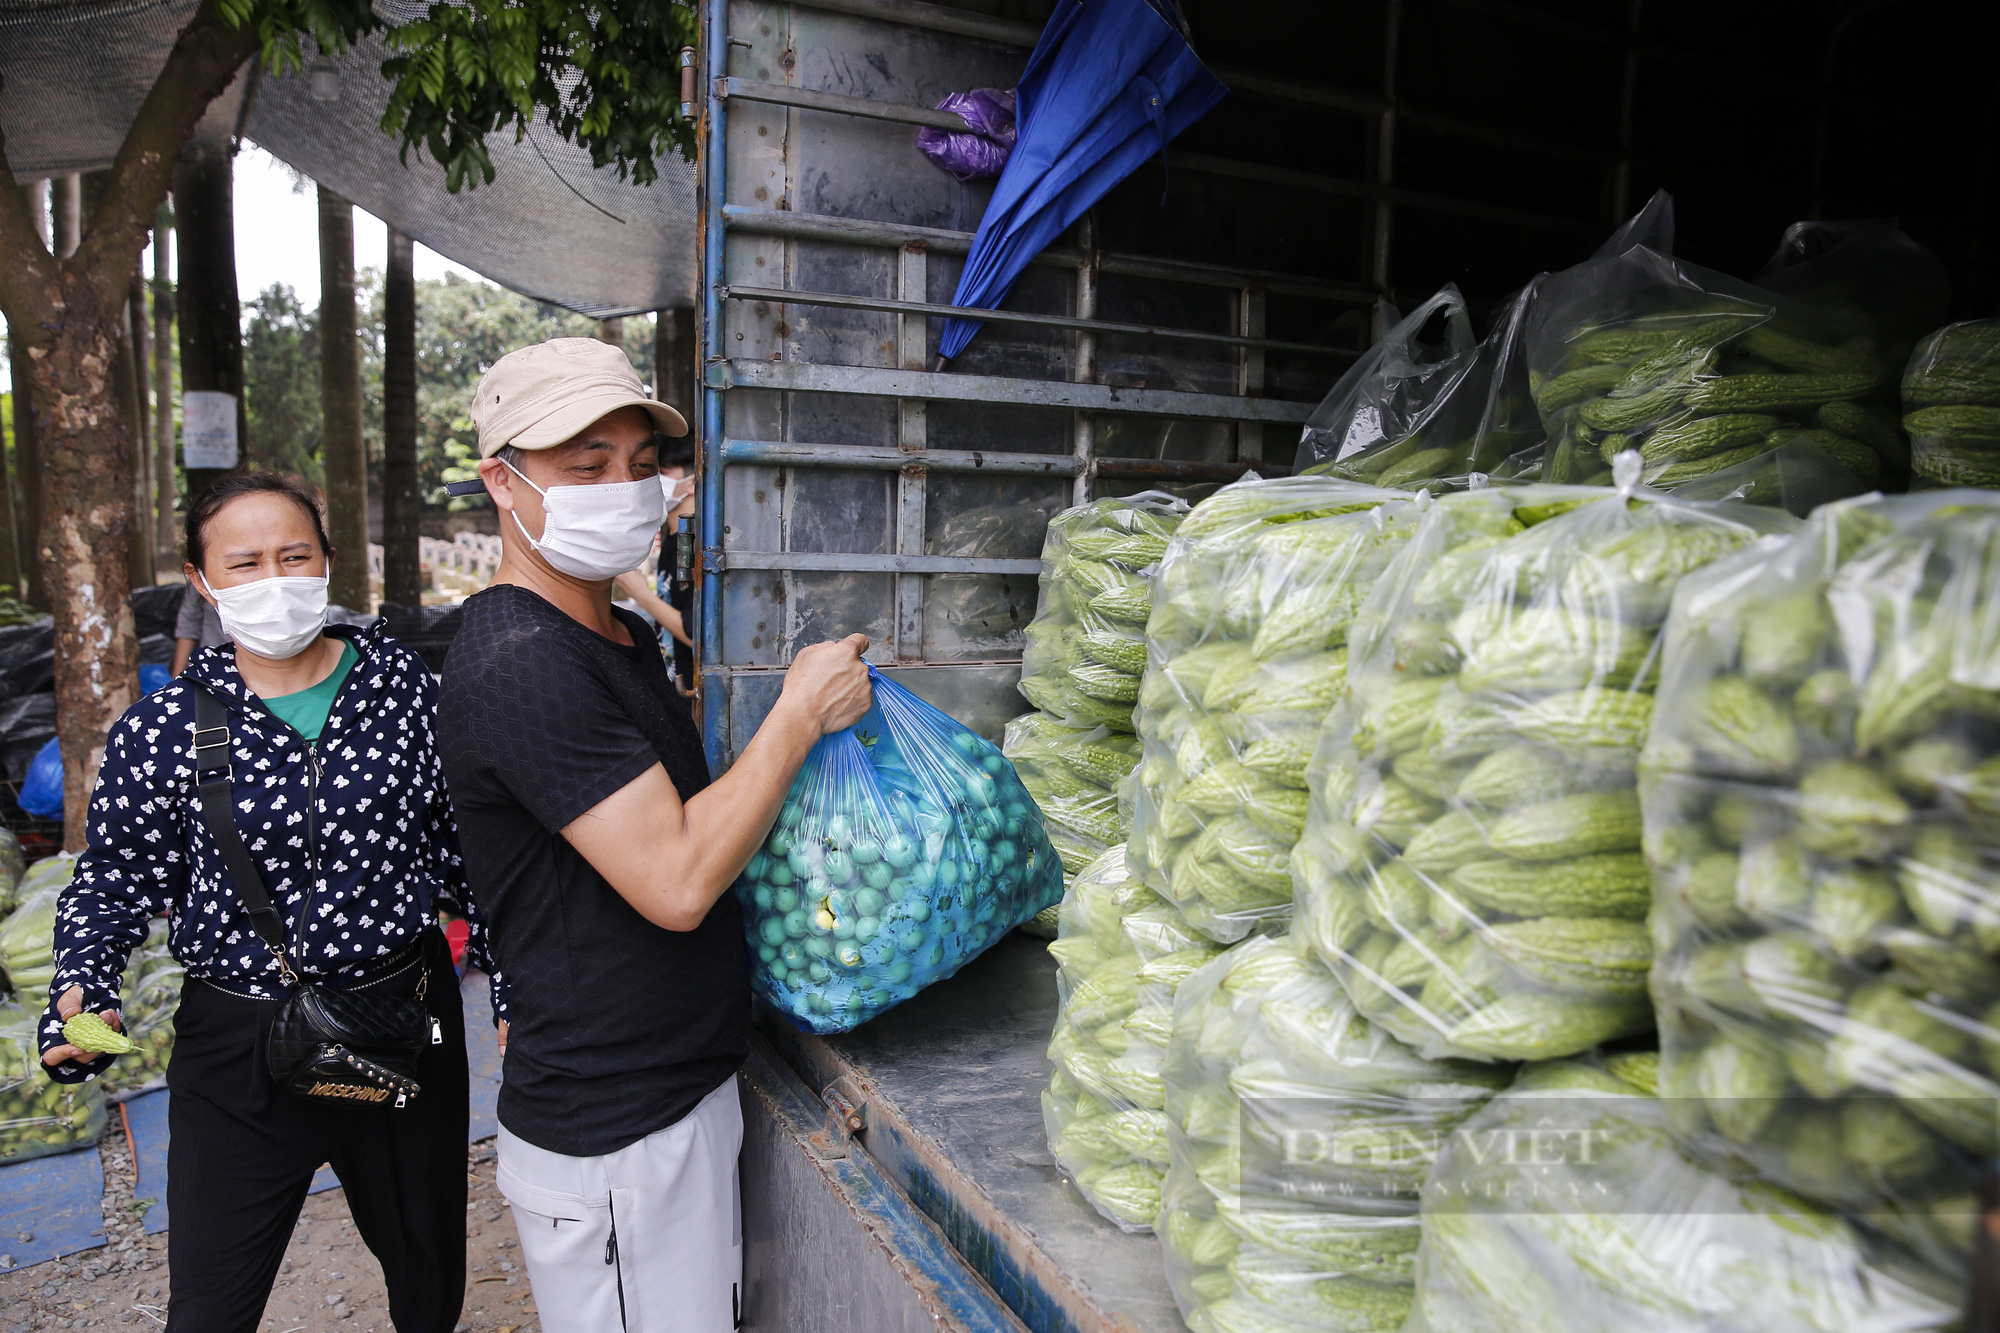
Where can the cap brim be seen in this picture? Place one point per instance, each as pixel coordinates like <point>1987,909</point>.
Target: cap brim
<point>570,420</point>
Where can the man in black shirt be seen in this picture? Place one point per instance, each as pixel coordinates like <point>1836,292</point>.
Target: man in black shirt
<point>602,855</point>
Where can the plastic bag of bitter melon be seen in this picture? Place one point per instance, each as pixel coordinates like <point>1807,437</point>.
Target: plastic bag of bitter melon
<point>38,1116</point>
<point>1634,349</point>
<point>1473,872</point>
<point>1087,644</point>
<point>1299,1136</point>
<point>1073,773</point>
<point>1121,951</point>
<point>1413,413</point>
<point>1822,806</point>
<point>1951,404</point>
<point>1246,654</point>
<point>13,865</point>
<point>27,936</point>
<point>905,847</point>
<point>147,999</point>
<point>1604,1224</point>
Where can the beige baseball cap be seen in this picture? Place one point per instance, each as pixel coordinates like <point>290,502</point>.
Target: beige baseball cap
<point>537,397</point>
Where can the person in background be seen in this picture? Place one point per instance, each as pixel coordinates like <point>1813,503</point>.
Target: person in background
<point>195,627</point>
<point>337,793</point>
<point>602,855</point>
<point>667,605</point>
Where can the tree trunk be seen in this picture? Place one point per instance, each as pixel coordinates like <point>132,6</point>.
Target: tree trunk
<point>86,510</point>
<point>402,571</point>
<point>211,316</point>
<point>130,376</point>
<point>342,449</point>
<point>70,313</point>
<point>165,539</point>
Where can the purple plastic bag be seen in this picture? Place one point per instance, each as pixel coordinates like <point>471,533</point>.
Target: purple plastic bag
<point>982,151</point>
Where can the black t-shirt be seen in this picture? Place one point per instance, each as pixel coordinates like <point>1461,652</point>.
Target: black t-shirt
<point>619,1027</point>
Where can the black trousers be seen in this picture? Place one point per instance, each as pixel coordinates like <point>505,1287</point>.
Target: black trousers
<point>243,1152</point>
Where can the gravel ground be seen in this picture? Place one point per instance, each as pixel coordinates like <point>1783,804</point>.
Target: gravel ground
<point>328,1283</point>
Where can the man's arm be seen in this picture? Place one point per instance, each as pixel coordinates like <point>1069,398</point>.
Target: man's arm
<point>635,588</point>
<point>672,859</point>
<point>183,650</point>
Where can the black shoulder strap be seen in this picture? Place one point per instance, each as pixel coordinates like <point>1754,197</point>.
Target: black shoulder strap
<point>213,789</point>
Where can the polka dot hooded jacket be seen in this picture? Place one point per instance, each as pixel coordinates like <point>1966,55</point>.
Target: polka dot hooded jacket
<point>385,850</point>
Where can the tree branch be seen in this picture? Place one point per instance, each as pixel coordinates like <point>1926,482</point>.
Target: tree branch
<point>205,58</point>
<point>26,266</point>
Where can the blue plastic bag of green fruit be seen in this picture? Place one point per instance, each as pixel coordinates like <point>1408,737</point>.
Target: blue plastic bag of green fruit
<point>905,848</point>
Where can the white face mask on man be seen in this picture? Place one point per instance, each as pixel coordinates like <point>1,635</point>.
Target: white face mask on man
<point>275,617</point>
<point>597,532</point>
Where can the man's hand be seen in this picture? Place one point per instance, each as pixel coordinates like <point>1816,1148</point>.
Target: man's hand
<point>68,1006</point>
<point>828,683</point>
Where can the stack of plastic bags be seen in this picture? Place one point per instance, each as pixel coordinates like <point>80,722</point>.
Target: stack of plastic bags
<point>38,1116</point>
<point>1822,804</point>
<point>13,865</point>
<point>1122,951</point>
<point>1086,654</point>
<point>1247,654</point>
<point>1473,872</point>
<point>1951,397</point>
<point>1300,1134</point>
<point>1563,1206</point>
<point>28,935</point>
<point>1707,376</point>
<point>1087,645</point>
<point>1411,413</point>
<point>1074,775</point>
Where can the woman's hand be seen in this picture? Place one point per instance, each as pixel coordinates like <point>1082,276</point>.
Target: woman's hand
<point>501,1032</point>
<point>829,683</point>
<point>68,1006</point>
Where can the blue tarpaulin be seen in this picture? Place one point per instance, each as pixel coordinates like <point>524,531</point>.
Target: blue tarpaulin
<point>1109,84</point>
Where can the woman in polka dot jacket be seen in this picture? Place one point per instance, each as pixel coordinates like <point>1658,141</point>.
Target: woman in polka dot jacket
<point>339,799</point>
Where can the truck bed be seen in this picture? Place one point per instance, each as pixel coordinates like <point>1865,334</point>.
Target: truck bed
<point>949,1086</point>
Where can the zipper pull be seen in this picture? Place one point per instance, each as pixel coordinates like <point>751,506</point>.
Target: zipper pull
<point>437,1033</point>
<point>402,1100</point>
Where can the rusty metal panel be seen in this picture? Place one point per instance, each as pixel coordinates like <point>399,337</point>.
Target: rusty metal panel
<point>829,1244</point>
<point>949,1085</point>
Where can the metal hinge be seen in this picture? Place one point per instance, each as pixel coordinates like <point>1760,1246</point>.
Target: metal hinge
<point>846,1112</point>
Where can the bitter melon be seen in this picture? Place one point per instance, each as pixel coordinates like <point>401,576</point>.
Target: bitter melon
<point>1765,393</point>
<point>1609,884</point>
<point>1603,821</point>
<point>1704,436</point>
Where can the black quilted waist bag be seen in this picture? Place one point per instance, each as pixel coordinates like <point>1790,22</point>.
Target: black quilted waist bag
<point>358,1044</point>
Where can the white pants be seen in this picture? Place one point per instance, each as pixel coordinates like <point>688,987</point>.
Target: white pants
<point>648,1239</point>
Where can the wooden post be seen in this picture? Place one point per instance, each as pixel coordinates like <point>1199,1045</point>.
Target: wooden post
<point>10,548</point>
<point>165,538</point>
<point>342,450</point>
<point>27,442</point>
<point>211,329</point>
<point>402,572</point>
<point>142,431</point>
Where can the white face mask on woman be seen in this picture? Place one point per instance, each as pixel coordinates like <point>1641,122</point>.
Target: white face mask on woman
<point>597,532</point>
<point>275,617</point>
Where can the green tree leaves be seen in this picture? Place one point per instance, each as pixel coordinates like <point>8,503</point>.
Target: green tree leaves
<point>605,76</point>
